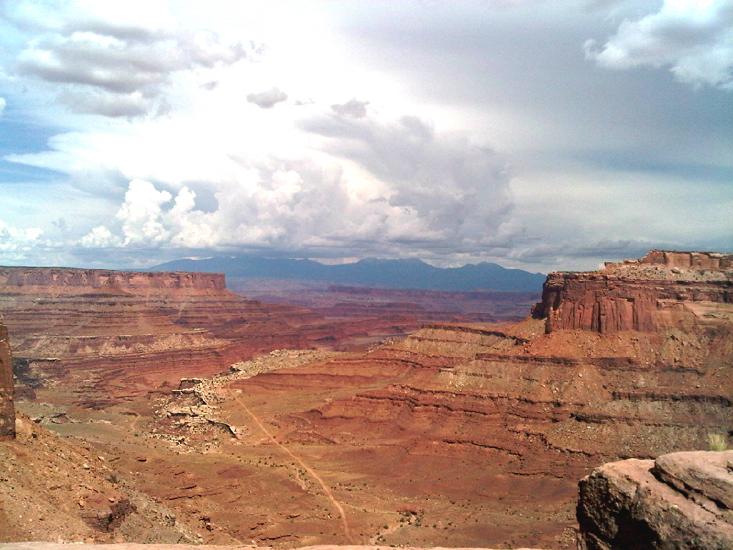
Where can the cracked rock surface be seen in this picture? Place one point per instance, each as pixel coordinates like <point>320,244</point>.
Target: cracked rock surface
<point>679,500</point>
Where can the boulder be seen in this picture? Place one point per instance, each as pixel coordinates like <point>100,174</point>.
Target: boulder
<point>680,500</point>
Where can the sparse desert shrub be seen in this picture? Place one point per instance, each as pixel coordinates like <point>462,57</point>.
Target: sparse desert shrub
<point>717,442</point>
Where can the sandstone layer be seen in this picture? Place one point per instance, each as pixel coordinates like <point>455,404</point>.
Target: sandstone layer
<point>127,546</point>
<point>104,279</point>
<point>7,408</point>
<point>115,334</point>
<point>680,500</point>
<point>461,434</point>
<point>662,289</point>
<point>457,434</point>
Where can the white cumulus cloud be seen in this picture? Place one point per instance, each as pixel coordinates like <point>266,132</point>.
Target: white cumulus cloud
<point>693,38</point>
<point>457,191</point>
<point>99,237</point>
<point>17,240</point>
<point>141,214</point>
<point>380,184</point>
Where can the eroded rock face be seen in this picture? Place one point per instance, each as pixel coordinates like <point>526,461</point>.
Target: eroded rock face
<point>522,413</point>
<point>671,502</point>
<point>662,289</point>
<point>107,279</point>
<point>96,330</point>
<point>7,409</point>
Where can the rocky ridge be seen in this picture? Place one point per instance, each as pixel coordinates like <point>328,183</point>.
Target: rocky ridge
<point>663,289</point>
<point>108,333</point>
<point>680,500</point>
<point>191,416</point>
<point>105,279</point>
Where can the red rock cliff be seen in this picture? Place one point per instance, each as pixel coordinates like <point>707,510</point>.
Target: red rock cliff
<point>7,410</point>
<point>107,279</point>
<point>661,289</point>
<point>95,330</point>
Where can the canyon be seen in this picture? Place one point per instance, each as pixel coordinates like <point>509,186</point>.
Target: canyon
<point>118,334</point>
<point>408,307</point>
<point>134,331</point>
<point>461,433</point>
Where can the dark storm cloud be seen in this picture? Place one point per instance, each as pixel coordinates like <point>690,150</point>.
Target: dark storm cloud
<point>560,113</point>
<point>460,190</point>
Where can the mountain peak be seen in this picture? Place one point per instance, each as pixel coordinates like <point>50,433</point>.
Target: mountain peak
<point>374,272</point>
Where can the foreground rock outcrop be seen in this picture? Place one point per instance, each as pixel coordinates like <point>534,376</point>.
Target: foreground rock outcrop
<point>57,489</point>
<point>127,546</point>
<point>680,500</point>
<point>7,408</point>
<point>662,289</point>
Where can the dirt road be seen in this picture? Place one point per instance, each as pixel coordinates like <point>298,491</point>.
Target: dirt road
<point>311,471</point>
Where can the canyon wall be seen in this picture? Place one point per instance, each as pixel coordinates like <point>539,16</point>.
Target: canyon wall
<point>662,289</point>
<point>110,334</point>
<point>103,279</point>
<point>7,409</point>
<point>458,435</point>
<point>487,428</point>
<point>120,333</point>
<point>503,419</point>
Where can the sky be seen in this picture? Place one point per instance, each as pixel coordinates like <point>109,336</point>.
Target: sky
<point>536,134</point>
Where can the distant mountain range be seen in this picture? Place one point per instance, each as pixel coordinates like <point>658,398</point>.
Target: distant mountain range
<point>412,274</point>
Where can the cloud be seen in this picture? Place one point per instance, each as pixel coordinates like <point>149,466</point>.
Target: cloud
<point>353,108</point>
<point>141,212</point>
<point>458,191</point>
<point>109,105</point>
<point>121,70</point>
<point>267,98</point>
<point>99,237</point>
<point>401,169</point>
<point>381,186</point>
<point>3,103</point>
<point>17,241</point>
<point>693,39</point>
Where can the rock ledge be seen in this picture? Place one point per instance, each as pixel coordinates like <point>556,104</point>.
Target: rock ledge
<point>679,500</point>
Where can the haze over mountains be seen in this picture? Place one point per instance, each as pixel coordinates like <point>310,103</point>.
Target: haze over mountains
<point>413,274</point>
